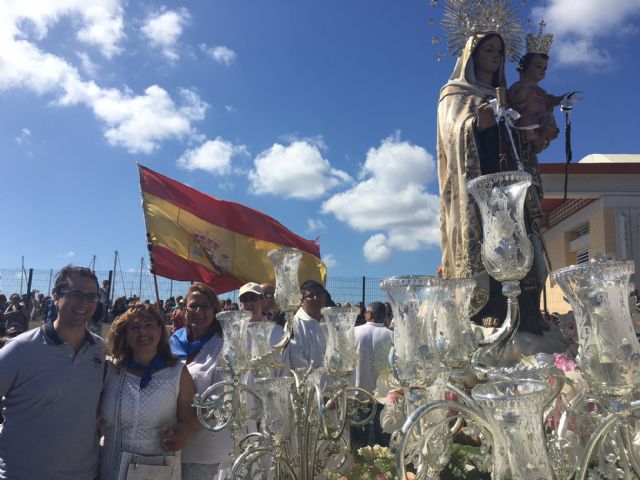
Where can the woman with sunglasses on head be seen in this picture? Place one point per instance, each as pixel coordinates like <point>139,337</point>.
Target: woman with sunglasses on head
<point>146,402</point>
<point>199,342</point>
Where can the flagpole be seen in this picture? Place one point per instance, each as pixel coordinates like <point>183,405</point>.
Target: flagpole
<point>155,284</point>
<point>112,286</point>
<point>149,245</point>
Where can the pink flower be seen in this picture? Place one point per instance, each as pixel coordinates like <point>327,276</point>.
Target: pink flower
<point>451,396</point>
<point>564,363</point>
<point>393,395</point>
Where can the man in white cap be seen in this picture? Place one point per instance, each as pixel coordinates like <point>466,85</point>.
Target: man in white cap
<point>251,300</point>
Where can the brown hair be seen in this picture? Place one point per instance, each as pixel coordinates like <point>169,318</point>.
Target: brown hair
<point>117,341</point>
<point>205,290</point>
<point>526,60</point>
<point>69,273</point>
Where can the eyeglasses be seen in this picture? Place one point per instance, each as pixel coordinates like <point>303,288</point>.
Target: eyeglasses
<point>195,306</point>
<point>77,296</point>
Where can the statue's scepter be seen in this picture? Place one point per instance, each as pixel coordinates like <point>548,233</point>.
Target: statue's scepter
<point>566,105</point>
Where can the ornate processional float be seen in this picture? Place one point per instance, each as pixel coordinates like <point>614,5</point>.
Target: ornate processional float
<point>293,424</point>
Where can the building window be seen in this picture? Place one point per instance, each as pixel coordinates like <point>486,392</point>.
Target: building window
<point>582,256</point>
<point>582,231</point>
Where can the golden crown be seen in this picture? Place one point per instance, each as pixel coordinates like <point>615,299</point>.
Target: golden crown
<point>540,43</point>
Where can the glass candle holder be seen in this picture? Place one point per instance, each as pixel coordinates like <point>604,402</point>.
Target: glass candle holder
<point>414,361</point>
<point>514,412</point>
<point>261,339</point>
<point>609,353</point>
<point>507,252</point>
<point>449,324</point>
<point>340,355</point>
<point>286,263</point>
<point>234,350</point>
<point>277,412</point>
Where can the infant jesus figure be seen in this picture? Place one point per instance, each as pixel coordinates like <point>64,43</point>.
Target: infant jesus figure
<point>532,102</point>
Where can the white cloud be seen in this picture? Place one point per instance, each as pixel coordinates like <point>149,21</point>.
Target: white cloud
<point>99,22</point>
<point>295,171</point>
<point>69,254</point>
<point>104,25</point>
<point>163,30</point>
<point>329,260</point>
<point>580,28</point>
<point>391,197</point>
<point>87,65</point>
<point>315,225</point>
<point>375,249</point>
<point>140,122</point>
<point>220,54</point>
<point>213,156</point>
<point>136,122</point>
<point>25,135</point>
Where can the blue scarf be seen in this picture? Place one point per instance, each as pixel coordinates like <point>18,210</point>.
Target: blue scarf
<point>182,347</point>
<point>156,363</point>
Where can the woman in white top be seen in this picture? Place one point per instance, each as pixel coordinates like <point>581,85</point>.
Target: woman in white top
<point>199,342</point>
<point>146,402</point>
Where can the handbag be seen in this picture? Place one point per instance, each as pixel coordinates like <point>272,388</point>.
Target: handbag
<point>145,467</point>
<point>134,466</point>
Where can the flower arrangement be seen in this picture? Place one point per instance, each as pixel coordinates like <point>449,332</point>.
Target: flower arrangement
<point>371,463</point>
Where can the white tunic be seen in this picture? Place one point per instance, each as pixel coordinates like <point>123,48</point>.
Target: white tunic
<point>373,342</point>
<point>308,343</point>
<point>144,413</point>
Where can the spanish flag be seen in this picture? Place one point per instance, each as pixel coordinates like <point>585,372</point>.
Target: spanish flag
<point>195,237</point>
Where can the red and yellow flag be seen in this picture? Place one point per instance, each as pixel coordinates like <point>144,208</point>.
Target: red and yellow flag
<point>195,237</point>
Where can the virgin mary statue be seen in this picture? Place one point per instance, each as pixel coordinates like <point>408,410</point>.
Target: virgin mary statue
<point>469,146</point>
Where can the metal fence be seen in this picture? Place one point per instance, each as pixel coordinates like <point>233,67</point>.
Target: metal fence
<point>342,289</point>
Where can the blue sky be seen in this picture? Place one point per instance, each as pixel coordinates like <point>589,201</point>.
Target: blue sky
<point>318,113</point>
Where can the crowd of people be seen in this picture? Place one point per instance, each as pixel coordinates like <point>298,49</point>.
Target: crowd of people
<point>142,377</point>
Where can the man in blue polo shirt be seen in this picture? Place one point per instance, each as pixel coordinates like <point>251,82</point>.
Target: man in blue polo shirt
<point>51,379</point>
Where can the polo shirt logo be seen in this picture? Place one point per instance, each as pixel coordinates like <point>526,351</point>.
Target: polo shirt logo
<point>96,361</point>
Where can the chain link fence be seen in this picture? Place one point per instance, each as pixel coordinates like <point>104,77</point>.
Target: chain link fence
<point>128,284</point>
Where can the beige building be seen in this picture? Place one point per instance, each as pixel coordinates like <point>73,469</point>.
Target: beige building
<point>601,213</point>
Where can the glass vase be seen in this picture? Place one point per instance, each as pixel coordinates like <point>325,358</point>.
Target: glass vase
<point>234,350</point>
<point>609,353</point>
<point>286,263</point>
<point>414,361</point>
<point>507,253</point>
<point>514,412</point>
<point>340,355</point>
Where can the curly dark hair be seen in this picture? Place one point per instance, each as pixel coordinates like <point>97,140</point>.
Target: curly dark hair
<point>117,341</point>
<point>205,290</point>
<point>526,60</point>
